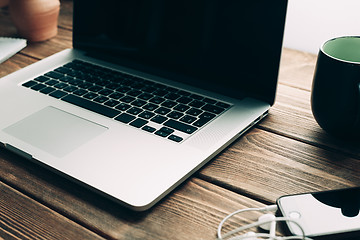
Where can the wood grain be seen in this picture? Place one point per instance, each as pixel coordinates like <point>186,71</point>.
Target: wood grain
<point>23,218</point>
<point>193,210</point>
<point>265,166</point>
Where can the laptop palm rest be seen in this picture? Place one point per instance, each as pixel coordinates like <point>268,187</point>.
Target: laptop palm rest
<point>55,131</point>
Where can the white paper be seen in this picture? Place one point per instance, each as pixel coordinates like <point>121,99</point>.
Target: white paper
<point>10,46</point>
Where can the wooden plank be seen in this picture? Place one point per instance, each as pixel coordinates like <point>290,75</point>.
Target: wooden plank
<point>15,63</point>
<point>5,235</point>
<point>23,218</point>
<point>265,166</point>
<point>7,28</point>
<point>291,116</point>
<point>297,68</point>
<point>66,14</point>
<point>192,211</point>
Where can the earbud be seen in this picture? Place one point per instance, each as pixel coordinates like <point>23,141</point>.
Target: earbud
<point>251,236</point>
<point>266,222</point>
<point>269,219</point>
<point>270,224</point>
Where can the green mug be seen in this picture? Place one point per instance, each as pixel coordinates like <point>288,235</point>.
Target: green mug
<point>335,94</point>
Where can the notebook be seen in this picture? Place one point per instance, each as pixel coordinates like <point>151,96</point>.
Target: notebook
<point>10,46</point>
<point>150,92</point>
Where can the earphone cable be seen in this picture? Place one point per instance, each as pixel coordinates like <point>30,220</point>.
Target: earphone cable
<point>262,209</point>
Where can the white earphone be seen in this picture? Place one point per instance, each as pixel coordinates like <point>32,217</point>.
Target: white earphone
<point>266,222</point>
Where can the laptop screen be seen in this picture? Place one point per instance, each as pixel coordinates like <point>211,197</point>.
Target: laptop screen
<point>228,46</point>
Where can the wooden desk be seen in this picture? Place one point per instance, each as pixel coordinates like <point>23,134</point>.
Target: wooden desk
<point>286,153</point>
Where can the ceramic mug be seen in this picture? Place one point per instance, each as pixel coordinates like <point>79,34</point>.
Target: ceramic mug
<point>335,96</point>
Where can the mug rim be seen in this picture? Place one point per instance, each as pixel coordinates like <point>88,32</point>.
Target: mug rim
<point>338,59</point>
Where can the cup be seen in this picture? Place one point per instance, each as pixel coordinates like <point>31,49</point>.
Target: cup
<point>335,95</point>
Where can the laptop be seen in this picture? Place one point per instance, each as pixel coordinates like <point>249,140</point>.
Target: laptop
<point>150,92</point>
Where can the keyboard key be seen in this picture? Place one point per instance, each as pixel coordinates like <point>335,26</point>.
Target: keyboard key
<point>204,119</point>
<point>138,103</point>
<point>134,93</point>
<point>175,115</point>
<point>172,96</point>
<point>162,111</point>
<point>213,108</point>
<point>58,94</point>
<point>116,95</point>
<point>160,92</point>
<point>196,104</point>
<point>149,129</point>
<point>70,89</point>
<point>80,92</point>
<point>138,123</point>
<point>157,100</point>
<point>150,107</point>
<point>169,104</point>
<point>147,115</point>
<point>101,99</point>
<point>53,74</point>
<point>123,107</point>
<point>63,70</point>
<point>159,119</point>
<point>123,89</point>
<point>91,87</point>
<point>42,79</point>
<point>201,122</point>
<point>111,103</point>
<point>194,111</point>
<point>209,100</point>
<point>61,85</point>
<point>183,127</point>
<point>125,118</point>
<point>148,89</point>
<point>92,106</point>
<point>134,110</point>
<point>145,96</point>
<point>175,138</point>
<point>162,133</point>
<point>47,90</point>
<point>181,108</point>
<point>184,93</point>
<point>38,87</point>
<point>207,115</point>
<point>187,119</point>
<point>184,100</point>
<point>105,92</point>
<point>52,82</point>
<point>30,83</point>
<point>196,97</point>
<point>223,105</point>
<point>127,99</point>
<point>90,95</point>
<point>167,130</point>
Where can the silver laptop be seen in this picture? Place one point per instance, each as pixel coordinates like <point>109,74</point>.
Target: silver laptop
<point>151,91</point>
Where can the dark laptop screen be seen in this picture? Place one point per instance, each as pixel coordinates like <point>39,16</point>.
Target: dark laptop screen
<point>228,46</point>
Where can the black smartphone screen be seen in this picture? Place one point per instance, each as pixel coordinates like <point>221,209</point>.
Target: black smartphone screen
<point>323,213</point>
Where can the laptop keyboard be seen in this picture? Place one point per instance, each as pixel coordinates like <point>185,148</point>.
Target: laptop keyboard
<point>153,107</point>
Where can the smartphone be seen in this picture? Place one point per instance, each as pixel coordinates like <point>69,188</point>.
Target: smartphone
<point>323,215</point>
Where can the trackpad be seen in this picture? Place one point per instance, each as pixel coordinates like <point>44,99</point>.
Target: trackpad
<point>55,131</point>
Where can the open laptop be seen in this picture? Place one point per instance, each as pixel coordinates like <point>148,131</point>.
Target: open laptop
<point>150,92</point>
